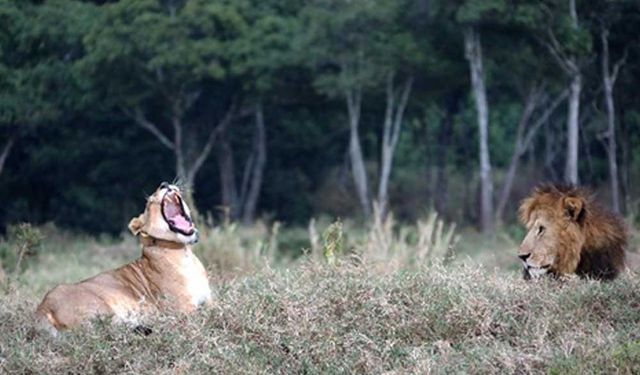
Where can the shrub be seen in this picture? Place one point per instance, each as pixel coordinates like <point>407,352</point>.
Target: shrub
<point>20,246</point>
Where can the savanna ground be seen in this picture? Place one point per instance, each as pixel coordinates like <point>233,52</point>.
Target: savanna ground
<point>393,300</point>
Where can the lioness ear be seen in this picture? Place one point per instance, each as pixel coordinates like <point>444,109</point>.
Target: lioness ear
<point>136,224</point>
<point>574,207</point>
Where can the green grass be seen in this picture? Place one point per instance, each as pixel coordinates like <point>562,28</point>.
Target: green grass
<point>306,317</point>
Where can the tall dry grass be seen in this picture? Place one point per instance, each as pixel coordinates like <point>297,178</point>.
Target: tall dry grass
<point>229,249</point>
<point>319,319</point>
<point>389,302</point>
<point>385,245</point>
<point>390,247</point>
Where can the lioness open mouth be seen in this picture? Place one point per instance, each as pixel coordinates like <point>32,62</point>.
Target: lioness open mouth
<point>175,215</point>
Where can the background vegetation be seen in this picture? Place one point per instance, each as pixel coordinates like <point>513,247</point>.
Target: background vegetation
<point>328,146</point>
<point>373,309</point>
<point>289,110</point>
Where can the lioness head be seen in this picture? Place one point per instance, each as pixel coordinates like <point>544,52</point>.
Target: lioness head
<point>555,237</point>
<point>166,217</point>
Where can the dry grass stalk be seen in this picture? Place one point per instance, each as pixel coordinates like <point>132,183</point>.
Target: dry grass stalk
<point>393,248</point>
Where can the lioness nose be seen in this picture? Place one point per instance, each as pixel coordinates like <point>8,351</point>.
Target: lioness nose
<point>164,185</point>
<point>524,257</point>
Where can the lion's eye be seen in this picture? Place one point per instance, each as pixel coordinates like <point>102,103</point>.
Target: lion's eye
<point>540,229</point>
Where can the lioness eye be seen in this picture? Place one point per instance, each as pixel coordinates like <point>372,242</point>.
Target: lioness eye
<point>540,229</point>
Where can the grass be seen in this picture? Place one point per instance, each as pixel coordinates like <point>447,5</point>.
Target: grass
<point>303,316</point>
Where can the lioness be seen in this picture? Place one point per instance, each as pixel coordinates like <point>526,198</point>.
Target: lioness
<point>167,275</point>
<point>569,233</point>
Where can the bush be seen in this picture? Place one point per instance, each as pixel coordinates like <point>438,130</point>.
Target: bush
<point>20,247</point>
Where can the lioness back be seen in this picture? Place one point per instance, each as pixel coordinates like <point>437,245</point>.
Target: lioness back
<point>68,305</point>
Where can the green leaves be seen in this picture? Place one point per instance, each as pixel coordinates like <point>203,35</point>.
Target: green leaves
<point>37,47</point>
<point>355,44</point>
<point>152,49</point>
<point>477,11</point>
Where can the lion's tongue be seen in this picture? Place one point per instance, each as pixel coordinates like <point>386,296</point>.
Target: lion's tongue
<point>178,220</point>
<point>181,223</point>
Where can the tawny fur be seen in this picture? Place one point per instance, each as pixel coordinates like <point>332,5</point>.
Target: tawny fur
<point>584,238</point>
<point>167,276</point>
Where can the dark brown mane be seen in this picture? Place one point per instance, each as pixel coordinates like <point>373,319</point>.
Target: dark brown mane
<point>605,236</point>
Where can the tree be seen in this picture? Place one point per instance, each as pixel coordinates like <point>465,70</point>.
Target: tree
<point>471,14</point>
<point>536,100</point>
<point>163,57</point>
<point>341,54</point>
<point>396,104</point>
<point>473,53</point>
<point>254,170</point>
<point>260,58</point>
<point>349,60</point>
<point>38,45</point>
<point>605,17</point>
<point>558,28</point>
<point>241,202</point>
<point>609,78</point>
<point>534,80</point>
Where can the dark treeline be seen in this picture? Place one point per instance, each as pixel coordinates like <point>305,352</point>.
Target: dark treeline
<point>288,109</point>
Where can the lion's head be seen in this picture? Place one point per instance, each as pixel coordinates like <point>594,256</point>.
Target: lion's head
<point>569,233</point>
<point>166,217</point>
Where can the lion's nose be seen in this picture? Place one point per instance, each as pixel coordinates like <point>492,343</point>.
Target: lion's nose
<point>524,257</point>
<point>164,185</point>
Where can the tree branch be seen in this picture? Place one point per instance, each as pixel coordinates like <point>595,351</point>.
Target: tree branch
<point>246,175</point>
<point>556,52</point>
<point>388,115</point>
<point>140,119</point>
<point>543,118</point>
<point>206,149</point>
<point>531,102</point>
<point>618,65</point>
<point>402,105</point>
<point>6,150</point>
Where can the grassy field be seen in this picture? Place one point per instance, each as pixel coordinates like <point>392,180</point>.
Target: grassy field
<point>393,301</point>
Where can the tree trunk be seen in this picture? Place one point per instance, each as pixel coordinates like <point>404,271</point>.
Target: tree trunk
<point>518,151</point>
<point>626,162</point>
<point>612,149</point>
<point>186,168</point>
<point>473,52</point>
<point>178,149</point>
<point>573,118</point>
<point>570,64</point>
<point>571,167</point>
<point>226,169</point>
<point>6,150</point>
<point>358,169</point>
<point>440,192</point>
<point>396,105</point>
<point>252,180</point>
<point>550,151</point>
<point>573,12</point>
<point>609,80</point>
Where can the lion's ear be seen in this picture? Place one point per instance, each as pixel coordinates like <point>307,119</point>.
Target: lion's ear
<point>574,208</point>
<point>136,224</point>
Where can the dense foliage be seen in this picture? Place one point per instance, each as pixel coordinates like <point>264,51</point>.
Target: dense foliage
<point>263,106</point>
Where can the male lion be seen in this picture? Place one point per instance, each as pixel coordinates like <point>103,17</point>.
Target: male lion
<point>167,275</point>
<point>569,233</point>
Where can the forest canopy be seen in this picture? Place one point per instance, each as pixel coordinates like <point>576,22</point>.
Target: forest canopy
<point>287,110</point>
